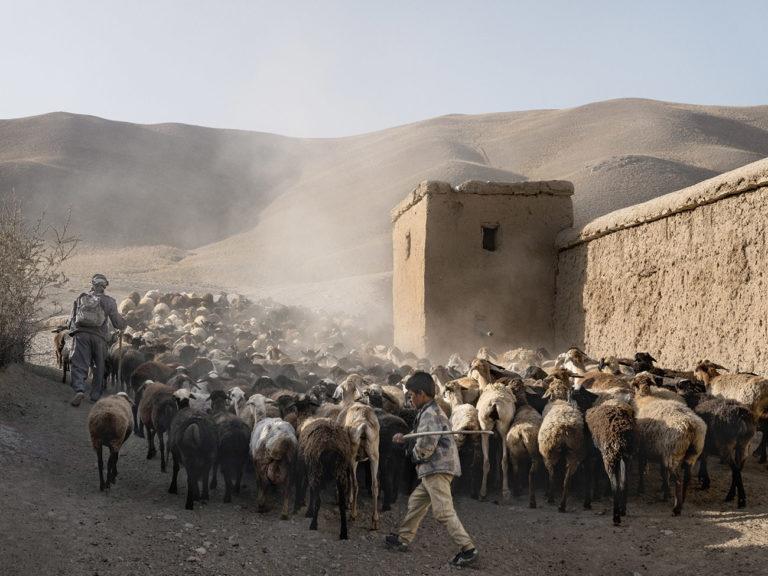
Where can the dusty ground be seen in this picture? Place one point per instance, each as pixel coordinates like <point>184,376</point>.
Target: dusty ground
<point>55,521</point>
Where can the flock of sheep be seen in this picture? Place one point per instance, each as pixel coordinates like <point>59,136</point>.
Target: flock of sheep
<point>225,383</point>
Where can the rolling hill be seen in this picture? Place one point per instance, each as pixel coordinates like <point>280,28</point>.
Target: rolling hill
<point>308,219</point>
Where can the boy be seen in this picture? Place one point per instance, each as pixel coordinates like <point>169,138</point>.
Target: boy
<point>437,462</point>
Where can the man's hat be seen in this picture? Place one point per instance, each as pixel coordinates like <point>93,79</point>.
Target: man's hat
<point>99,279</point>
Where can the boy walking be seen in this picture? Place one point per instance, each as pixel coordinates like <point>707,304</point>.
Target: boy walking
<point>437,462</point>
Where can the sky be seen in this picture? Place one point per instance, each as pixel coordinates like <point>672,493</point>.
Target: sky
<point>335,68</point>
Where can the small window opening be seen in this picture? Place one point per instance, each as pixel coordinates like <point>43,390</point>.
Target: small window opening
<point>490,237</point>
<point>407,245</point>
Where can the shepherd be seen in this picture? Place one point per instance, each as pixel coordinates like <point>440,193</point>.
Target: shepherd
<point>437,463</point>
<point>89,329</point>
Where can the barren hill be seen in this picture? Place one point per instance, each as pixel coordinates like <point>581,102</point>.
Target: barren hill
<point>302,217</point>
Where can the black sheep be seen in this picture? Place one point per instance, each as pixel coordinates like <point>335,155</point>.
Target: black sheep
<point>194,442</point>
<point>234,436</point>
<point>392,457</point>
<point>730,428</point>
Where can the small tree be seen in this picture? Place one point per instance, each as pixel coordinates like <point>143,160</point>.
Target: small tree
<point>31,256</point>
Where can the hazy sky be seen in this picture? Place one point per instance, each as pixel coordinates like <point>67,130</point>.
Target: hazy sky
<point>330,68</point>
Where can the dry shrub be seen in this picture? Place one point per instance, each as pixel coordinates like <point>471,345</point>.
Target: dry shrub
<point>31,256</point>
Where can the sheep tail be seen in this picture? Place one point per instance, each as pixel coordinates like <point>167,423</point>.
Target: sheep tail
<point>493,414</point>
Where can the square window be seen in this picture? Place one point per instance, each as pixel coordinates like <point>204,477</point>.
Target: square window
<point>490,237</point>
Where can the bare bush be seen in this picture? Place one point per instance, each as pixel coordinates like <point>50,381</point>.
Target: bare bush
<point>31,257</point>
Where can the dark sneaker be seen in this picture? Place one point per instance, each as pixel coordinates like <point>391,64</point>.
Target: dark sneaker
<point>393,542</point>
<point>465,558</point>
<point>76,399</point>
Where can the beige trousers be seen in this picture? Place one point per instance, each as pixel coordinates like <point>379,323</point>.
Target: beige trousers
<point>434,489</point>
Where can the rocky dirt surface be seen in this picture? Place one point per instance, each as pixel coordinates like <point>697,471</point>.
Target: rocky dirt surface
<point>54,520</point>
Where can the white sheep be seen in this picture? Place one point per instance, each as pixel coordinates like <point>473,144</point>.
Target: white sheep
<point>495,410</point>
<point>561,436</point>
<point>668,432</point>
<point>273,451</point>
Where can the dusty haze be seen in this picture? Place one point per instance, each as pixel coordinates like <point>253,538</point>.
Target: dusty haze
<point>308,219</point>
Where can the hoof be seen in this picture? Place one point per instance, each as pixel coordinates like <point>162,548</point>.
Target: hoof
<point>342,536</point>
<point>283,516</point>
<point>675,512</point>
<point>617,520</point>
<point>742,504</point>
<point>173,490</point>
<point>189,506</point>
<point>313,526</point>
<point>587,506</point>
<point>561,508</point>
<point>227,499</point>
<point>386,508</point>
<point>532,505</point>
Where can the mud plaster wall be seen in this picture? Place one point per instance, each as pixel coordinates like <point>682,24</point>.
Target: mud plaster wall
<point>450,295</point>
<point>688,285</point>
<point>408,278</point>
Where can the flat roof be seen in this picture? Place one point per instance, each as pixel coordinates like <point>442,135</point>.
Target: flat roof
<point>485,188</point>
<point>741,180</point>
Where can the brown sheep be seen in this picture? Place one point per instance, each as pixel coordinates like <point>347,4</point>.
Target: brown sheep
<point>157,408</point>
<point>326,452</point>
<point>110,422</point>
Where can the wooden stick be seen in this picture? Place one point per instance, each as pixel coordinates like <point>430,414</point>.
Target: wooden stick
<point>445,432</point>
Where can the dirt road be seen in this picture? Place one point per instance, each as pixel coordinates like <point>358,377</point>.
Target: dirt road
<point>54,520</point>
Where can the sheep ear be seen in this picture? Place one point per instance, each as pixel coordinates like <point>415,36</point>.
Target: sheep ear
<point>192,396</point>
<point>529,390</point>
<point>546,394</point>
<point>717,366</point>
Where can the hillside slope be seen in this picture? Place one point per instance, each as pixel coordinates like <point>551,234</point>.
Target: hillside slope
<point>263,213</point>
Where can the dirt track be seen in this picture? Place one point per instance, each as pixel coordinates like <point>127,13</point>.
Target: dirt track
<point>54,520</point>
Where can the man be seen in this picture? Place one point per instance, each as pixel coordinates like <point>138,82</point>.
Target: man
<point>90,332</point>
<point>437,462</point>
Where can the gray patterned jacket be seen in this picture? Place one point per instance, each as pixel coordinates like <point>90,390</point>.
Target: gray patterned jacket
<point>434,454</point>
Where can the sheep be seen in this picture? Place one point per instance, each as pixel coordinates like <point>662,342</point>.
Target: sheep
<point>730,428</point>
<point>748,389</point>
<point>392,398</point>
<point>157,409</point>
<point>483,371</point>
<point>597,380</point>
<point>273,449</point>
<point>193,441</point>
<point>464,417</point>
<point>61,350</point>
<point>575,361</point>
<point>232,451</point>
<point>561,436</point>
<point>364,429</point>
<point>669,432</point>
<point>110,422</point>
<point>392,457</point>
<point>254,409</point>
<point>495,410</point>
<point>611,424</point>
<point>522,440</point>
<point>326,451</point>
